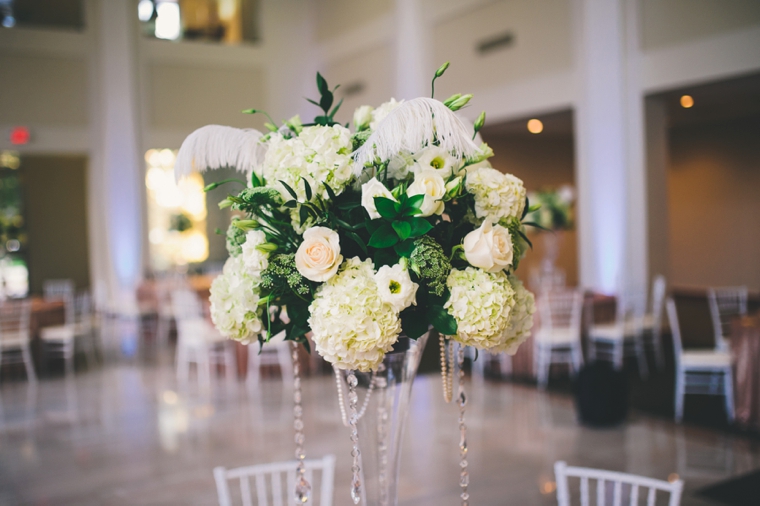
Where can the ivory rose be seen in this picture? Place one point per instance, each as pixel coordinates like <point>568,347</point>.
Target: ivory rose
<point>489,247</point>
<point>371,189</point>
<point>430,184</point>
<point>318,257</point>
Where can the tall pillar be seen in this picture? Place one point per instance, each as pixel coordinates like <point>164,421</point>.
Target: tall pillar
<point>116,167</point>
<point>610,147</point>
<point>413,70</point>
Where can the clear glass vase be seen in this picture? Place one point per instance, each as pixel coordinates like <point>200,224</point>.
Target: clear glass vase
<point>381,427</point>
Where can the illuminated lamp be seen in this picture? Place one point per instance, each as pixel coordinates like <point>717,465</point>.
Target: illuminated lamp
<point>20,135</point>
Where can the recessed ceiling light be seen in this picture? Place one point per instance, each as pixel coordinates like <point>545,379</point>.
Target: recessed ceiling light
<point>687,101</point>
<point>535,126</point>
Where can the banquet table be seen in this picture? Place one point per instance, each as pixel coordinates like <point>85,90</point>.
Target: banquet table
<point>745,348</point>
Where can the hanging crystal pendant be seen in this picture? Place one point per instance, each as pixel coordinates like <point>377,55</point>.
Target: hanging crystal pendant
<point>464,476</point>
<point>353,418</point>
<point>303,487</point>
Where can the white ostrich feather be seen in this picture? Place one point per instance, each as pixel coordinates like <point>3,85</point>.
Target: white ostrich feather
<point>414,125</point>
<point>216,146</point>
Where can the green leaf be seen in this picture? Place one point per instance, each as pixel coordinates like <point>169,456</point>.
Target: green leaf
<point>326,101</point>
<point>335,109</point>
<point>322,84</point>
<point>535,225</point>
<point>420,226</point>
<point>322,120</point>
<point>526,209</point>
<point>313,102</point>
<point>402,228</point>
<point>415,201</point>
<point>291,204</point>
<point>386,207</point>
<point>384,237</point>
<point>358,240</point>
<point>404,248</point>
<point>303,214</point>
<point>329,191</point>
<point>413,322</point>
<point>307,188</point>
<point>525,238</point>
<point>289,189</point>
<point>255,181</point>
<point>347,206</point>
<point>442,320</point>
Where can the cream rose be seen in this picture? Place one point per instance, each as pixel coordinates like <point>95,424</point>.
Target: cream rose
<point>489,247</point>
<point>430,184</point>
<point>371,189</point>
<point>318,257</point>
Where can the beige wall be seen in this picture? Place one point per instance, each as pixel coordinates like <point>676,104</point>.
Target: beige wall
<point>671,22</point>
<point>540,161</point>
<point>55,210</point>
<point>714,209</point>
<point>334,17</point>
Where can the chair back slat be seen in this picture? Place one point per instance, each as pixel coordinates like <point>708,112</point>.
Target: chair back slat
<point>561,309</point>
<point>725,305</point>
<point>53,289</point>
<point>15,320</point>
<point>186,305</point>
<point>612,481</point>
<point>272,474</point>
<point>675,330</point>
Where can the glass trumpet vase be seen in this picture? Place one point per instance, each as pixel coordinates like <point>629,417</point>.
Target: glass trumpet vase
<point>383,410</point>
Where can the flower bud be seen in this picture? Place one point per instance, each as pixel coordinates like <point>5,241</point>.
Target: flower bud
<point>480,121</point>
<point>224,204</point>
<point>451,99</point>
<point>460,102</point>
<point>452,187</point>
<point>246,224</point>
<point>441,69</point>
<point>267,247</point>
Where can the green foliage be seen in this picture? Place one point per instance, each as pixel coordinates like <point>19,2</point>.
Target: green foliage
<point>326,98</point>
<point>235,238</point>
<point>251,200</point>
<point>180,222</point>
<point>431,264</point>
<point>281,273</point>
<point>401,221</point>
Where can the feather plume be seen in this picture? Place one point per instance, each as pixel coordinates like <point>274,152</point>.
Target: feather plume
<point>216,146</point>
<point>414,125</point>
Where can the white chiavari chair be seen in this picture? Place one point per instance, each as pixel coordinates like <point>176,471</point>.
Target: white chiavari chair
<point>725,305</point>
<point>15,336</point>
<point>653,319</point>
<point>53,289</point>
<point>614,484</point>
<point>275,352</point>
<point>558,340</point>
<point>699,371</point>
<point>274,484</point>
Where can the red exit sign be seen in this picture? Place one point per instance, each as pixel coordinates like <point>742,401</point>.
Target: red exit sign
<point>20,135</point>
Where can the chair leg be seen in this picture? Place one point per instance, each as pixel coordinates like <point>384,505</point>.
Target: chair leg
<point>618,349</point>
<point>659,353</point>
<point>577,356</point>
<point>505,364</point>
<point>728,391</point>
<point>641,357</point>
<point>679,395</point>
<point>28,365</point>
<point>592,350</point>
<point>544,363</point>
<point>183,365</point>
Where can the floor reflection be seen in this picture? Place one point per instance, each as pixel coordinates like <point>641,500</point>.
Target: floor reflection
<point>127,434</point>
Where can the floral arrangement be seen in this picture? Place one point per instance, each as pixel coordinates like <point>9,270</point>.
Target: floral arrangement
<point>553,209</point>
<point>364,235</point>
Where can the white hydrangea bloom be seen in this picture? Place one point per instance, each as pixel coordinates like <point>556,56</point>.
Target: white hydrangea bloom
<point>235,302</point>
<point>498,196</point>
<point>254,260</point>
<point>401,165</point>
<point>352,327</point>
<point>381,112</point>
<point>319,154</point>
<point>481,302</point>
<point>521,320</point>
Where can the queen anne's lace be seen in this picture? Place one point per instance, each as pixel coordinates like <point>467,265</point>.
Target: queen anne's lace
<point>352,327</point>
<point>482,304</point>
<point>235,302</point>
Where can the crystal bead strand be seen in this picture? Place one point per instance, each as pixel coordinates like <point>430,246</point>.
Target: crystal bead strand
<point>367,396</point>
<point>464,477</point>
<point>382,437</point>
<point>303,488</point>
<point>353,418</point>
<point>446,371</point>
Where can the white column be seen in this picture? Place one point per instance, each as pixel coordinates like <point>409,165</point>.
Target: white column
<point>610,147</point>
<point>116,167</point>
<point>413,69</point>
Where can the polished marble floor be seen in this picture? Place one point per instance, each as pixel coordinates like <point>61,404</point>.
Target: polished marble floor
<point>126,435</point>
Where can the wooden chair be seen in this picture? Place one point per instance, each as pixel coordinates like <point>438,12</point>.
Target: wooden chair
<point>558,340</point>
<point>614,484</point>
<point>725,305</point>
<point>269,479</point>
<point>15,335</point>
<point>699,371</point>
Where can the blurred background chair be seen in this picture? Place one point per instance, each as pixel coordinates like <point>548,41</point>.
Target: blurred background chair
<point>53,289</point>
<point>725,305</point>
<point>15,336</point>
<point>198,342</point>
<point>611,341</point>
<point>276,352</point>
<point>611,483</point>
<point>558,340</point>
<point>653,320</point>
<point>699,371</point>
<point>61,340</point>
<point>275,483</point>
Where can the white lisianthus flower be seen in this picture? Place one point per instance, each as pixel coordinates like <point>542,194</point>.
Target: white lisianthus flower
<point>489,247</point>
<point>438,159</point>
<point>396,287</point>
<point>430,184</point>
<point>400,165</point>
<point>520,321</point>
<point>254,260</point>
<point>371,189</point>
<point>318,257</point>
<point>363,117</point>
<point>319,154</point>
<point>235,302</point>
<point>381,112</point>
<point>498,196</point>
<point>481,302</point>
<point>353,328</point>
